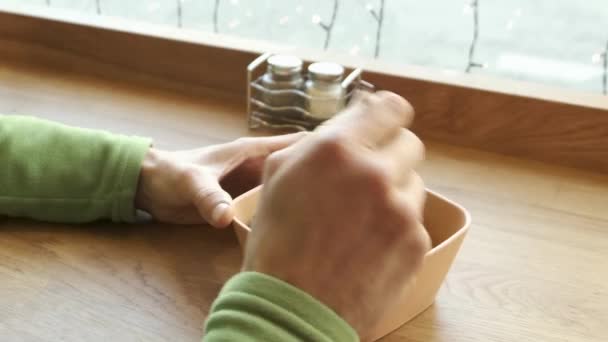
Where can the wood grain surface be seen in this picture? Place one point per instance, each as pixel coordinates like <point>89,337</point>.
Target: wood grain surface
<point>487,113</point>
<point>533,268</point>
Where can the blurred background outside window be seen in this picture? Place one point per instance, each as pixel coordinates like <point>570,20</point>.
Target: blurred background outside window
<point>557,42</point>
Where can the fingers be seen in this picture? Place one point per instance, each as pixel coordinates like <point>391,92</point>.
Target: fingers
<point>211,201</point>
<point>227,157</point>
<point>410,200</point>
<point>418,243</point>
<point>263,146</point>
<point>276,159</point>
<point>401,155</point>
<point>373,119</point>
<point>413,193</point>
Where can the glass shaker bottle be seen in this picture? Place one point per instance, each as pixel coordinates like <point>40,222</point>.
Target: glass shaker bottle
<point>325,90</point>
<point>284,75</point>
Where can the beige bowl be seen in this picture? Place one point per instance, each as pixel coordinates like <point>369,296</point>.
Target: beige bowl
<point>447,224</point>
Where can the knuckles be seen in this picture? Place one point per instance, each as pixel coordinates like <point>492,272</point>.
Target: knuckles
<point>336,156</point>
<point>187,174</point>
<point>272,163</point>
<point>375,181</point>
<point>395,102</point>
<point>332,147</point>
<point>390,105</point>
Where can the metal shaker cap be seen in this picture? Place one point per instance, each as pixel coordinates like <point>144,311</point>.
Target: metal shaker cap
<point>284,65</point>
<point>325,71</point>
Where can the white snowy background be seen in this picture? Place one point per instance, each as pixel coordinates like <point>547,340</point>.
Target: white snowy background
<point>559,42</point>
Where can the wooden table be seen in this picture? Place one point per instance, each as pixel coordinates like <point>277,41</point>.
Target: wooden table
<point>533,268</point>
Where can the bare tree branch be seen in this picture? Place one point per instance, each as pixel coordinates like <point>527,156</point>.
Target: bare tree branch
<point>179,13</point>
<point>375,14</point>
<point>379,17</point>
<point>215,16</point>
<point>48,2</point>
<point>471,63</point>
<point>329,27</point>
<point>98,4</point>
<point>605,76</point>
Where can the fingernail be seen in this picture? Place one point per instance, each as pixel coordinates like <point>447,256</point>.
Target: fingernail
<point>219,211</point>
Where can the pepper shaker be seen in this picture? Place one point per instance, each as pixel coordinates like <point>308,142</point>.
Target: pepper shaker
<point>283,73</point>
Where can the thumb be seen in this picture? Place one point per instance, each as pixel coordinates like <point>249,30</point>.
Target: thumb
<point>212,202</point>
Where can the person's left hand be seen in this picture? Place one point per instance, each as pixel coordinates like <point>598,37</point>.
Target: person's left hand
<point>196,186</point>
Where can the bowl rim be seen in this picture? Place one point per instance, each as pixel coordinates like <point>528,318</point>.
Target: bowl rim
<point>461,231</point>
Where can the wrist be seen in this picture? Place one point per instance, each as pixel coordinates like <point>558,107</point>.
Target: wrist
<point>149,167</point>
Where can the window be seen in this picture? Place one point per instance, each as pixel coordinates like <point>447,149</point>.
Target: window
<point>557,42</point>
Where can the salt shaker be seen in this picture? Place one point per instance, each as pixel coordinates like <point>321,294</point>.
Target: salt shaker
<point>325,90</point>
<point>283,73</point>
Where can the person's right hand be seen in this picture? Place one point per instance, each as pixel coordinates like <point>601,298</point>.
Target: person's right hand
<point>340,213</point>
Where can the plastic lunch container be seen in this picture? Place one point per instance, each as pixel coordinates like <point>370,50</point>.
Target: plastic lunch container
<point>447,224</point>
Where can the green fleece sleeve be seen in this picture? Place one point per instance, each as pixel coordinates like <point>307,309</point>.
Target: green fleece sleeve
<point>53,172</point>
<point>256,307</point>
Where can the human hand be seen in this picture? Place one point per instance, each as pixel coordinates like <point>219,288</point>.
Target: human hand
<point>195,186</point>
<point>340,211</point>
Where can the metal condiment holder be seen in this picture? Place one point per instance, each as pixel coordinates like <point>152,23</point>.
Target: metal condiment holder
<point>294,117</point>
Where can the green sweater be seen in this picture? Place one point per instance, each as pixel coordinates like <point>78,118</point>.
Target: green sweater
<point>57,173</point>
